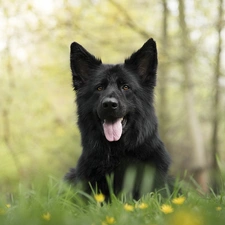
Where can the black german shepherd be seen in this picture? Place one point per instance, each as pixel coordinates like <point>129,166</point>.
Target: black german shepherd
<point>117,122</point>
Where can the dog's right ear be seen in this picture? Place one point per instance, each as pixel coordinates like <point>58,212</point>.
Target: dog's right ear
<point>82,64</point>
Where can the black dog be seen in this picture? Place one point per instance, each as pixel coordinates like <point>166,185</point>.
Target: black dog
<point>117,121</point>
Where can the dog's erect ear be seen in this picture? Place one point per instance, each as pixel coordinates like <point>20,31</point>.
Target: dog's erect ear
<point>82,64</point>
<point>144,62</point>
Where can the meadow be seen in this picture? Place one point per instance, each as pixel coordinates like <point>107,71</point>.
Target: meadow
<point>38,132</point>
<point>56,203</point>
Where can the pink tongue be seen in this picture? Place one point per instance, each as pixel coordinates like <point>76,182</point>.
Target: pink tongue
<point>113,130</point>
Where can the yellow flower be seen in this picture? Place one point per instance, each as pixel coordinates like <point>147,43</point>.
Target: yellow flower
<point>142,205</point>
<point>108,220</point>
<point>218,208</point>
<point>128,207</point>
<point>166,209</point>
<point>185,218</point>
<point>46,216</point>
<point>99,197</point>
<point>179,201</point>
<point>8,206</point>
<point>2,211</point>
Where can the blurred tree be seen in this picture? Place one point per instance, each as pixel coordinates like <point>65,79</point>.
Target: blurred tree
<point>215,174</point>
<point>6,108</point>
<point>163,78</point>
<point>128,19</point>
<point>198,163</point>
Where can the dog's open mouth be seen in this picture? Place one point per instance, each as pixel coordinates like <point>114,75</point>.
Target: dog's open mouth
<point>113,129</point>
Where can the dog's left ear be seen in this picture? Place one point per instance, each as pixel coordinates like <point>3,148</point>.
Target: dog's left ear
<point>144,62</point>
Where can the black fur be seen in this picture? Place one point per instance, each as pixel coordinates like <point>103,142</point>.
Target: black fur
<point>105,93</point>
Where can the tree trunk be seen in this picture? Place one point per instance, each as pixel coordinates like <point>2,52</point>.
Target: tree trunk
<point>215,171</point>
<point>163,105</point>
<point>198,163</point>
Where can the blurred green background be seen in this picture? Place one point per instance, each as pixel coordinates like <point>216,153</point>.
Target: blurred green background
<point>38,133</point>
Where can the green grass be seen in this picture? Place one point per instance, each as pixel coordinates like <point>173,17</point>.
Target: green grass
<point>56,203</point>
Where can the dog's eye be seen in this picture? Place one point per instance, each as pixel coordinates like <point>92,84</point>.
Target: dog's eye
<point>125,87</point>
<point>99,88</point>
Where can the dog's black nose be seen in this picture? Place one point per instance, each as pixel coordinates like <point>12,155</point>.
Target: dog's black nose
<point>109,104</point>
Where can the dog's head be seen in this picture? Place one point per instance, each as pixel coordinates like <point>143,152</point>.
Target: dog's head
<point>114,94</point>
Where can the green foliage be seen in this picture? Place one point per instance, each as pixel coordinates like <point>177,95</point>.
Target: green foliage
<point>56,203</point>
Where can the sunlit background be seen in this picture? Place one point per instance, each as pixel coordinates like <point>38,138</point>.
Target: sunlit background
<point>38,133</point>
